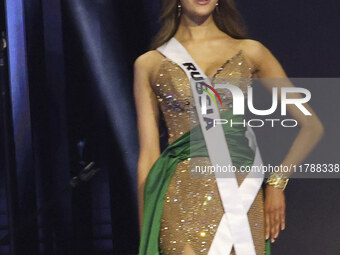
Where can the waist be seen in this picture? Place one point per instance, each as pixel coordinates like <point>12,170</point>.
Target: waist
<point>193,143</point>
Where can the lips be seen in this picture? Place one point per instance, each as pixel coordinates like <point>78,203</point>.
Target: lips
<point>202,2</point>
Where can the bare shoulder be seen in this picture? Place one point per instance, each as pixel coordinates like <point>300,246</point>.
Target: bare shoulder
<point>253,47</point>
<point>255,51</point>
<point>148,63</point>
<point>148,59</point>
<point>264,62</point>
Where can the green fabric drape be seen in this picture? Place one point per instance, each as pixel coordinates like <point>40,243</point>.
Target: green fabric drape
<point>189,145</point>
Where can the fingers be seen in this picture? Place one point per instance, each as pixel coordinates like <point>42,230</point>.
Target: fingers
<point>267,225</point>
<point>274,212</point>
<point>274,222</point>
<point>283,219</point>
<point>272,226</point>
<point>275,225</point>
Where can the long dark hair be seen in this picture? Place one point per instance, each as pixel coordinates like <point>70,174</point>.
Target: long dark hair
<point>226,16</point>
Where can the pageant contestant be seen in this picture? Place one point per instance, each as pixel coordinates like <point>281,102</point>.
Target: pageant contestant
<point>184,215</point>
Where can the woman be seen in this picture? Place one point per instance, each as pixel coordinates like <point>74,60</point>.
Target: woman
<point>179,214</point>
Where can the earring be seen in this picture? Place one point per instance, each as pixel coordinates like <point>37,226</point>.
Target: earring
<point>217,7</point>
<point>179,9</point>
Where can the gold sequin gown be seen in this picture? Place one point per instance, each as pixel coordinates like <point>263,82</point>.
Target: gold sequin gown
<point>192,206</point>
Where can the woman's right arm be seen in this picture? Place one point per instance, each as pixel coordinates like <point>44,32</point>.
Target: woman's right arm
<point>148,124</point>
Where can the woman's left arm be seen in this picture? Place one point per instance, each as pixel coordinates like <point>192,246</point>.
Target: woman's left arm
<point>266,66</point>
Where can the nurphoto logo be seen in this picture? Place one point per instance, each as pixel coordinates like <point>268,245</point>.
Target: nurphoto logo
<point>238,103</point>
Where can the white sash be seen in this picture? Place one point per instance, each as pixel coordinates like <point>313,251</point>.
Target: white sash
<point>234,229</point>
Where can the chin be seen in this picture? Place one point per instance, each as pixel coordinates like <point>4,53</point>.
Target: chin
<point>200,7</point>
<point>203,11</point>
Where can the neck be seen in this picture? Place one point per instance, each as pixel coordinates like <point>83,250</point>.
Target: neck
<point>198,28</point>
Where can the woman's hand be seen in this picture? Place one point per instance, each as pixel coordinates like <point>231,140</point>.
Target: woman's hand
<point>274,212</point>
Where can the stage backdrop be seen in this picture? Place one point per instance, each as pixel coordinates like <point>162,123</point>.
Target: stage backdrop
<point>71,103</point>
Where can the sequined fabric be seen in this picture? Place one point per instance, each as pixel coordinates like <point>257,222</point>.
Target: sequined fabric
<point>192,206</point>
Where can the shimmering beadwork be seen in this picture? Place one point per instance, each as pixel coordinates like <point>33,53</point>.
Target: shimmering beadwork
<point>192,206</point>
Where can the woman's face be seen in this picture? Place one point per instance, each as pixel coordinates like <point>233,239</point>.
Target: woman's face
<point>198,7</point>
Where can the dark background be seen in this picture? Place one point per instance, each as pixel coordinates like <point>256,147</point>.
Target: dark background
<point>66,99</point>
